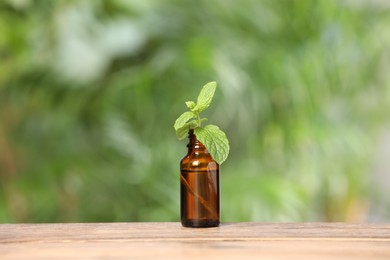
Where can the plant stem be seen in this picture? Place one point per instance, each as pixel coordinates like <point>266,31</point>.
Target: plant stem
<point>199,121</point>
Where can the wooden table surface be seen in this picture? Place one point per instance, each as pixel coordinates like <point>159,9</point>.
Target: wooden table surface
<point>171,241</point>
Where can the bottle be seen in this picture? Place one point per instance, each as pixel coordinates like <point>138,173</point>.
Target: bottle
<point>199,186</point>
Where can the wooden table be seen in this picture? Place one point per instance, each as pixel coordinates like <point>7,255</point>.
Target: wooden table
<point>171,241</point>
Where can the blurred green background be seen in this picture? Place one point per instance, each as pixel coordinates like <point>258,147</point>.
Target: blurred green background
<point>89,92</point>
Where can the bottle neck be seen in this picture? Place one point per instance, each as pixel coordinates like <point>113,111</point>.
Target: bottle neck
<point>194,144</point>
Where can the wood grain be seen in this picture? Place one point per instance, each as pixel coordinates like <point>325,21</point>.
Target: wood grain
<point>171,241</point>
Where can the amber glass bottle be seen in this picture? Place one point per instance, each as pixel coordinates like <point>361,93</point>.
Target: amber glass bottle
<point>199,186</point>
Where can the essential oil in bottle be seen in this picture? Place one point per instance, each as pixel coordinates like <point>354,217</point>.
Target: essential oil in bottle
<point>199,186</point>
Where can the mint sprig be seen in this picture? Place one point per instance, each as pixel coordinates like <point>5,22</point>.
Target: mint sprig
<point>213,138</point>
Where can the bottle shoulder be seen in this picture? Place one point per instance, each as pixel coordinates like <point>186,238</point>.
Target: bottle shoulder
<point>197,158</point>
<point>198,162</point>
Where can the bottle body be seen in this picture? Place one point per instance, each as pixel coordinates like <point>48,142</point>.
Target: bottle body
<point>199,187</point>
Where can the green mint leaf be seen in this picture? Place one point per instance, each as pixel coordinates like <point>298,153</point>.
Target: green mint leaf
<point>190,104</point>
<point>205,96</point>
<point>215,141</point>
<point>183,131</point>
<point>183,119</point>
<point>192,124</point>
<point>204,120</point>
<point>211,136</point>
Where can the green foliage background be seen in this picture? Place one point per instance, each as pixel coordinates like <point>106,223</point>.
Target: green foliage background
<point>89,91</point>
